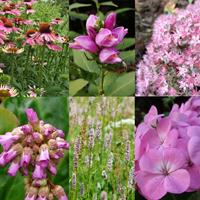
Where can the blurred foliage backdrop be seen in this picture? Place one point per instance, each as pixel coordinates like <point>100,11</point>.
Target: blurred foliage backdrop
<point>53,110</point>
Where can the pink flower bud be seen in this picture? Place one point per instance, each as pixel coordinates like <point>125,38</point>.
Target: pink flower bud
<point>91,25</point>
<point>52,168</point>
<point>39,172</point>
<point>110,21</point>
<point>6,141</point>
<point>32,116</point>
<point>32,193</point>
<point>26,157</point>
<point>59,192</point>
<point>85,43</point>
<point>62,143</point>
<point>109,56</point>
<point>13,168</point>
<point>44,156</point>
<point>26,129</point>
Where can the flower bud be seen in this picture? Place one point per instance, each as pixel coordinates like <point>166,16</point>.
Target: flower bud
<point>110,21</point>
<point>59,192</point>
<point>32,116</point>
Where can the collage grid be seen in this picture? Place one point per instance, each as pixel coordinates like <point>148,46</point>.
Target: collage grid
<point>99,100</point>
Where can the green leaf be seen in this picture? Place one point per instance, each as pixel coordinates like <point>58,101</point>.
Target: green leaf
<point>77,15</point>
<point>127,42</point>
<point>82,61</point>
<point>128,56</point>
<point>122,10</point>
<point>109,79</point>
<point>16,191</point>
<point>124,85</point>
<point>78,5</point>
<point>75,86</point>
<point>8,120</point>
<point>109,3</point>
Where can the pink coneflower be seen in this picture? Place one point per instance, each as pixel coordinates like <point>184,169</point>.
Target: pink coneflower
<point>30,2</point>
<point>20,21</point>
<point>44,36</point>
<point>29,37</point>
<point>4,1</point>
<point>2,37</point>
<point>7,26</point>
<point>7,91</point>
<point>56,21</point>
<point>10,10</point>
<point>29,9</point>
<point>11,48</point>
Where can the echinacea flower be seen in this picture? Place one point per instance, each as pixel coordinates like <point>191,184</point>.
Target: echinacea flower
<point>20,21</point>
<point>10,10</point>
<point>7,91</point>
<point>29,9</point>
<point>7,26</point>
<point>44,36</point>
<point>11,48</point>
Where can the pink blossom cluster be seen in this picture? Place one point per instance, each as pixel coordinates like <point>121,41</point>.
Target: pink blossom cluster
<point>14,20</point>
<point>167,151</point>
<point>101,39</point>
<point>171,65</point>
<point>34,150</point>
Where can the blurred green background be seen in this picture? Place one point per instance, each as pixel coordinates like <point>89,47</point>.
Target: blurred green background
<point>53,110</point>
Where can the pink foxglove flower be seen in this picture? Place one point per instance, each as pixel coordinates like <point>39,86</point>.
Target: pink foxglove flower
<point>29,150</point>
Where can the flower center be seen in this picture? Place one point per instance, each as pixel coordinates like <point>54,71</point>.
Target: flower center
<point>4,93</point>
<point>30,32</point>
<point>45,28</point>
<point>7,8</point>
<point>8,24</point>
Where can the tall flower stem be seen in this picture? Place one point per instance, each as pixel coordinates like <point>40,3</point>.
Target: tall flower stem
<point>42,65</point>
<point>102,75</point>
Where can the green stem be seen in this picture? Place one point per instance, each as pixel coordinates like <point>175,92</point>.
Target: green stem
<point>41,66</point>
<point>102,75</point>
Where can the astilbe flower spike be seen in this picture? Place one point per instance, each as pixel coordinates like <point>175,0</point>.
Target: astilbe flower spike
<point>34,150</point>
<point>101,39</point>
<point>167,153</point>
<point>171,65</point>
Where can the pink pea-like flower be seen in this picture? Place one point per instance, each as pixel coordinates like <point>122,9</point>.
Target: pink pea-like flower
<point>101,36</point>
<point>109,56</point>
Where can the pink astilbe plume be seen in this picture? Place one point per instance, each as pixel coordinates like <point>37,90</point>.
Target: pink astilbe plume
<point>171,65</point>
<point>34,150</point>
<point>167,151</point>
